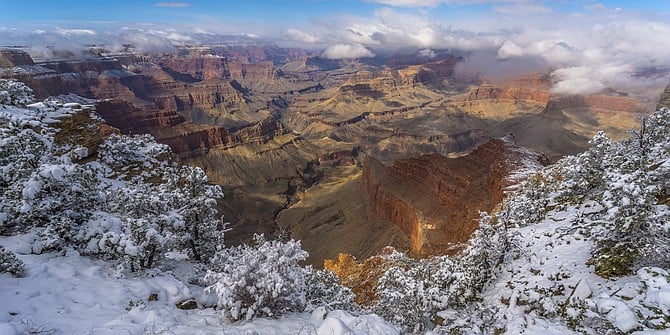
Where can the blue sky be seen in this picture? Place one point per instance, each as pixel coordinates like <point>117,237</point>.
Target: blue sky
<point>276,12</point>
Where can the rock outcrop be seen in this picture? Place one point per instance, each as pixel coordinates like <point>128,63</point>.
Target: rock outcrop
<point>14,57</point>
<point>197,69</point>
<point>665,99</point>
<point>436,200</point>
<point>195,141</point>
<point>131,119</point>
<point>488,92</point>
<point>603,103</point>
<point>363,276</point>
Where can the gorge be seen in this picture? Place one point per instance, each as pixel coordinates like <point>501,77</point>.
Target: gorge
<point>347,156</point>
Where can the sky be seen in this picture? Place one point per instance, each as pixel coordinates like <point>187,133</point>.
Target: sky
<point>588,45</point>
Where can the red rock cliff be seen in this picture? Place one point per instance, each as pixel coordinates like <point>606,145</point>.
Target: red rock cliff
<point>436,200</point>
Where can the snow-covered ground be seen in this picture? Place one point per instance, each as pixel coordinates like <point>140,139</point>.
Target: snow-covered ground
<point>551,280</point>
<point>71,294</point>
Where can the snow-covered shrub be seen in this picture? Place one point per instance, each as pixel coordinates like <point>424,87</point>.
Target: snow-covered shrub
<point>487,249</point>
<point>131,204</point>
<point>146,223</point>
<point>61,190</point>
<point>323,289</point>
<point>15,93</point>
<point>261,280</point>
<point>402,298</point>
<point>9,263</point>
<point>629,179</point>
<point>412,296</point>
<point>138,155</point>
<point>634,232</point>
<point>22,151</point>
<point>193,198</point>
<point>162,208</point>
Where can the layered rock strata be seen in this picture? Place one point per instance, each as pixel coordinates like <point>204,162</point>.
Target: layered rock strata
<point>436,200</point>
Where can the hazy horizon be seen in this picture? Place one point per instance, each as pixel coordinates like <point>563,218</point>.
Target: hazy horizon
<point>587,45</point>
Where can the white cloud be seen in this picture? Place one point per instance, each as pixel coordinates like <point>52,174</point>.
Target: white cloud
<point>427,53</point>
<point>510,49</point>
<point>300,36</point>
<point>172,4</point>
<point>178,38</point>
<point>577,86</point>
<point>561,54</point>
<point>70,32</point>
<point>347,51</point>
<point>589,49</point>
<point>595,6</point>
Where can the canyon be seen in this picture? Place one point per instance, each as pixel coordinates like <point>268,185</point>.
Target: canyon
<point>347,156</point>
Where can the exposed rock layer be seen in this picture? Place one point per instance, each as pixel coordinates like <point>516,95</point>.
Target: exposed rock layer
<point>436,200</point>
<point>665,99</point>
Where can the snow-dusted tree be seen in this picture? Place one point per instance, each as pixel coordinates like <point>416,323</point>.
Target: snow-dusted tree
<point>635,179</point>
<point>323,289</point>
<point>401,298</point>
<point>487,249</point>
<point>147,223</point>
<point>194,198</point>
<point>260,280</point>
<point>9,263</point>
<point>161,208</point>
<point>15,93</point>
<point>61,196</point>
<point>530,204</point>
<point>138,155</point>
<point>22,151</point>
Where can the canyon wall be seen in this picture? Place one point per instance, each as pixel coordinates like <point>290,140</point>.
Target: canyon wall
<point>665,99</point>
<point>436,200</point>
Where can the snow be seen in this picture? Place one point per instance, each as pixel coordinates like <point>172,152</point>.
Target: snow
<point>73,294</point>
<point>618,313</point>
<point>553,272</point>
<point>582,291</point>
<point>334,326</point>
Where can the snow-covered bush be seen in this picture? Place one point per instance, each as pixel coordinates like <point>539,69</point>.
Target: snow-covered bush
<point>9,263</point>
<point>141,222</point>
<point>402,298</point>
<point>132,203</point>
<point>629,179</point>
<point>22,151</point>
<point>488,247</point>
<point>257,281</point>
<point>323,289</point>
<point>15,93</point>
<point>138,155</point>
<point>192,198</point>
<point>61,196</point>
<point>147,224</point>
<point>412,296</point>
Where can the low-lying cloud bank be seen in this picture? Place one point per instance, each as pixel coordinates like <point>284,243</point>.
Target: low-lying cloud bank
<point>587,51</point>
